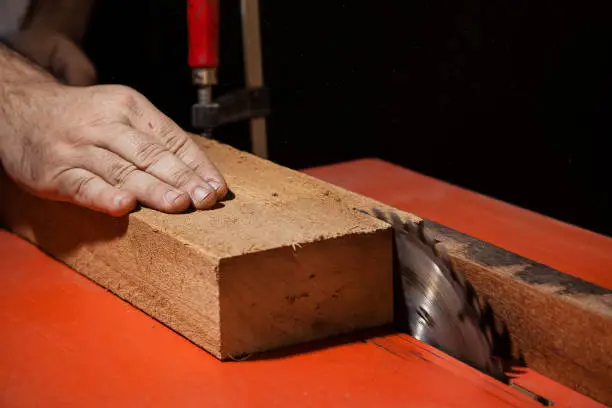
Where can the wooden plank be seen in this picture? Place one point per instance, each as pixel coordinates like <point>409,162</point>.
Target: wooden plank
<point>253,66</point>
<point>285,261</point>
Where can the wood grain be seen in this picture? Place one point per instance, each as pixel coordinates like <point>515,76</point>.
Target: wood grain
<point>287,260</point>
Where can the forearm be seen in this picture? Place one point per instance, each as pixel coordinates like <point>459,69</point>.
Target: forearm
<point>69,17</point>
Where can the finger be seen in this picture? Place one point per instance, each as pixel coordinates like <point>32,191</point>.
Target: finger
<point>85,189</point>
<point>195,158</point>
<point>150,156</point>
<point>150,120</point>
<point>155,194</point>
<point>124,175</point>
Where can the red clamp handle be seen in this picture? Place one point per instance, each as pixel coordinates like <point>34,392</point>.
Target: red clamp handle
<point>203,26</point>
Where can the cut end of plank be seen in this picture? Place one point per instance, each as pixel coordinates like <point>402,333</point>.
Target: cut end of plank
<point>317,290</point>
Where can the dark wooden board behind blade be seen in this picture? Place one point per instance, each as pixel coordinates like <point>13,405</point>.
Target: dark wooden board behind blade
<point>547,320</point>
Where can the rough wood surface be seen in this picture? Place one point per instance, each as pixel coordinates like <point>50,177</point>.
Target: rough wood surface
<point>287,260</point>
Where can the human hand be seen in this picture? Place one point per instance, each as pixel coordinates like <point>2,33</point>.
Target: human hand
<point>105,148</point>
<point>58,54</point>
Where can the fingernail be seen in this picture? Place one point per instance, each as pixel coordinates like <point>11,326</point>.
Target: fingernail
<point>214,184</point>
<point>200,194</point>
<point>171,196</point>
<point>119,200</point>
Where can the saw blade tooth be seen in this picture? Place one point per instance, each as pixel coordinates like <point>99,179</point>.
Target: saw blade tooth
<point>488,326</point>
<point>472,299</point>
<point>489,334</point>
<point>496,370</point>
<point>396,220</point>
<point>442,253</point>
<point>426,236</point>
<point>476,303</point>
<point>411,227</point>
<point>459,277</point>
<point>378,213</point>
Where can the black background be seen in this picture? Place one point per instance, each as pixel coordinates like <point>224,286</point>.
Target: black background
<point>509,98</point>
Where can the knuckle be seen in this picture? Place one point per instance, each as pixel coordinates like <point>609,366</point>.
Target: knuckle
<point>128,101</point>
<point>197,166</point>
<point>177,143</point>
<point>79,187</point>
<point>148,153</point>
<point>64,184</point>
<point>182,177</point>
<point>120,172</point>
<point>77,137</point>
<point>125,97</point>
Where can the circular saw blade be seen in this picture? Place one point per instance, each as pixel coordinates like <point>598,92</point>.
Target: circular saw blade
<point>440,307</point>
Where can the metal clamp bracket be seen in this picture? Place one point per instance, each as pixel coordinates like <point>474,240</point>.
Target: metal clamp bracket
<point>231,107</point>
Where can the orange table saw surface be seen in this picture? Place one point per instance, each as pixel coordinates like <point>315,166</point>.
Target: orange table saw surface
<point>66,342</point>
